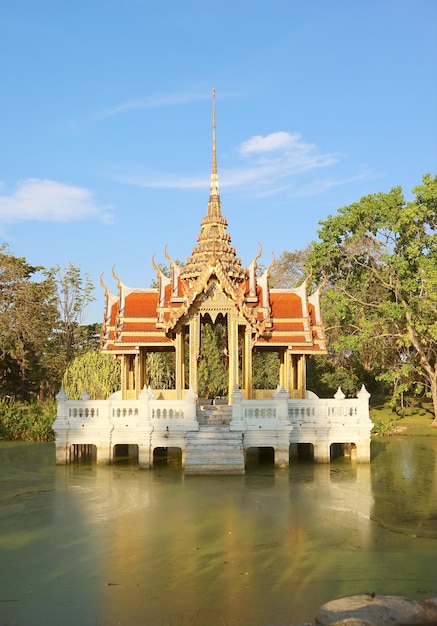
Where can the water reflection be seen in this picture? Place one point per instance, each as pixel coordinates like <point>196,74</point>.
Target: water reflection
<point>408,471</point>
<point>115,545</point>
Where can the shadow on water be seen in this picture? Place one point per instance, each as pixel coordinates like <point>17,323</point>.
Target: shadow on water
<point>111,545</point>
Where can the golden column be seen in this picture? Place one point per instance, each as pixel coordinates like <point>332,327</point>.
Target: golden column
<point>233,354</point>
<point>179,364</point>
<point>194,352</point>
<point>248,363</point>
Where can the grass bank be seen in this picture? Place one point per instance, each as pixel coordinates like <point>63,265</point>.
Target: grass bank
<point>412,420</point>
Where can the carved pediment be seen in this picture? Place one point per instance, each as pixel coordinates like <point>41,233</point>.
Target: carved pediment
<point>214,294</point>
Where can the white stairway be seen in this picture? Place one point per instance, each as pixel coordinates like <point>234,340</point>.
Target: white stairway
<point>214,449</point>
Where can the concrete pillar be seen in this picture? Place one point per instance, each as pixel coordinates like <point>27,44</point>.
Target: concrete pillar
<point>104,454</point>
<point>144,456</point>
<point>363,451</point>
<point>322,452</point>
<point>282,455</point>
<point>61,453</point>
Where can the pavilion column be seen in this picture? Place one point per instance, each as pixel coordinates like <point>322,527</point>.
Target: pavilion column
<point>137,377</point>
<point>282,369</point>
<point>179,364</point>
<point>247,364</point>
<point>141,369</point>
<point>194,352</point>
<point>293,374</point>
<point>288,365</point>
<point>301,375</point>
<point>233,355</point>
<point>124,375</point>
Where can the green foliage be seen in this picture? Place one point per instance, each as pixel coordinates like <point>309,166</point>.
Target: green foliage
<point>160,370</point>
<point>290,269</point>
<point>28,315</point>
<point>379,257</point>
<point>265,368</point>
<point>382,427</point>
<point>27,422</point>
<point>326,373</point>
<point>73,292</point>
<point>40,325</point>
<point>414,419</point>
<point>98,374</point>
<point>213,363</point>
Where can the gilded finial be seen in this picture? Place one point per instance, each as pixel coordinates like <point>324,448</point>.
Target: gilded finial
<point>102,284</point>
<point>116,277</point>
<point>258,256</point>
<point>272,264</point>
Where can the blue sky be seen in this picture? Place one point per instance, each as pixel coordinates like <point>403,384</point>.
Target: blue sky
<point>105,122</point>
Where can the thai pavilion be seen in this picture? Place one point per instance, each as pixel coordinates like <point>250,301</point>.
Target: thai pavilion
<point>213,285</point>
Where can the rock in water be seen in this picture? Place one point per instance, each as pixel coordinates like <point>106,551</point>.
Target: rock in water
<point>377,610</point>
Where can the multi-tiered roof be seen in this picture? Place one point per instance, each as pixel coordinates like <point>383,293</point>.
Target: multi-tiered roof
<point>136,318</point>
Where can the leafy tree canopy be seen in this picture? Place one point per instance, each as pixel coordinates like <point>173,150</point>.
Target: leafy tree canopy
<point>290,268</point>
<point>379,258</point>
<point>28,314</point>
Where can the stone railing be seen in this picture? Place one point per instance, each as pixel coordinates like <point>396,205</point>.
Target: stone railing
<point>276,422</point>
<point>146,411</point>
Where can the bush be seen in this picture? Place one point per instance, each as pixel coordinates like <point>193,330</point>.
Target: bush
<point>26,422</point>
<point>381,427</point>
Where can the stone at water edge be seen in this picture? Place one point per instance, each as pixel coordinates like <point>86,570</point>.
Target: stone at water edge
<point>379,610</point>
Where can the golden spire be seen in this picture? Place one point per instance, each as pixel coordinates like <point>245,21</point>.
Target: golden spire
<point>214,176</point>
<point>214,243</point>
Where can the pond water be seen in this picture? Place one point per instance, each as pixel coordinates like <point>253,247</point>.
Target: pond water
<point>103,546</point>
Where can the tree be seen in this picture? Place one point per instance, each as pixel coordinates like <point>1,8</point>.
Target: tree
<point>379,257</point>
<point>160,370</point>
<point>213,362</point>
<point>290,269</point>
<point>74,292</point>
<point>265,368</point>
<point>97,373</point>
<point>28,313</point>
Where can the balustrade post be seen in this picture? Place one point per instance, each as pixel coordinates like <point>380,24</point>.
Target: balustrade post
<point>190,410</point>
<point>237,410</point>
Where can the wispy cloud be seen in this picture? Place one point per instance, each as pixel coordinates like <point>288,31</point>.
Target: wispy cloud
<point>51,201</point>
<point>156,101</point>
<point>264,165</point>
<point>320,186</point>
